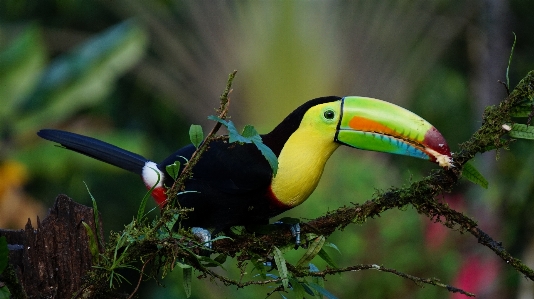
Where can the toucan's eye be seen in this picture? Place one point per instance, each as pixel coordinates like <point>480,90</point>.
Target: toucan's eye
<point>329,114</point>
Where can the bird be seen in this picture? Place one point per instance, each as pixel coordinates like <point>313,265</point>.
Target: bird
<point>234,185</point>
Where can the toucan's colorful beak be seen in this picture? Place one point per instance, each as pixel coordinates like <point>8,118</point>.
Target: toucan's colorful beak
<point>375,125</point>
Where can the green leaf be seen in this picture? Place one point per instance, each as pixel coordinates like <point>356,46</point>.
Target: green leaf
<point>218,119</point>
<point>169,225</point>
<point>258,265</point>
<point>307,288</point>
<point>472,174</point>
<point>269,155</point>
<point>332,245</point>
<point>93,245</point>
<point>310,236</point>
<point>297,288</point>
<point>4,293</point>
<point>209,262</point>
<point>4,254</point>
<point>249,135</point>
<point>233,134</point>
<point>182,265</point>
<point>187,278</point>
<point>322,291</point>
<point>281,265</point>
<point>221,258</point>
<point>173,169</point>
<point>196,135</point>
<point>522,131</point>
<point>95,214</point>
<point>313,250</point>
<point>324,255</point>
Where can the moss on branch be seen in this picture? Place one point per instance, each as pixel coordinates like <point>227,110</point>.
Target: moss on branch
<point>424,195</point>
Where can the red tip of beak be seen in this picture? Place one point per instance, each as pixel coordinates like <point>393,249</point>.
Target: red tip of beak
<point>437,148</point>
<point>434,140</point>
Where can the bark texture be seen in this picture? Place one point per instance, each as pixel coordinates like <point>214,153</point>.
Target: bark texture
<point>50,261</point>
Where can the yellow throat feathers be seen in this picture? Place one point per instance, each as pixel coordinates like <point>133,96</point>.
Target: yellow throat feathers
<point>303,157</point>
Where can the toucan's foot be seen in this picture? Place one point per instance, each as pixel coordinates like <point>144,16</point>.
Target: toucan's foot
<point>295,231</point>
<point>203,234</point>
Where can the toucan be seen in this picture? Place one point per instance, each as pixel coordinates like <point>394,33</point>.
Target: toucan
<point>234,185</point>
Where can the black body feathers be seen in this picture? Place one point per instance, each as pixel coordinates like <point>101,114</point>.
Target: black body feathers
<point>230,184</point>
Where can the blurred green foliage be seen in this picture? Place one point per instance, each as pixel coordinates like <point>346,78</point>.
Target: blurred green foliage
<point>136,74</point>
<point>37,95</point>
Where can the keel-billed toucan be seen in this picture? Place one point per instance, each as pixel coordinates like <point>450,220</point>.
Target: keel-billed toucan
<point>233,183</point>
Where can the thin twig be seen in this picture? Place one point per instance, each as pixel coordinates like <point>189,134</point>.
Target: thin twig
<point>505,86</point>
<point>187,171</point>
<point>324,273</point>
<point>417,280</point>
<point>496,247</point>
<point>277,289</point>
<point>140,277</point>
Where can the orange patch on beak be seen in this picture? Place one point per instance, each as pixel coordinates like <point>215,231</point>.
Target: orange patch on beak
<point>363,124</point>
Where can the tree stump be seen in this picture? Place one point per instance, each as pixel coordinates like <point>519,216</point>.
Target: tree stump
<point>50,261</point>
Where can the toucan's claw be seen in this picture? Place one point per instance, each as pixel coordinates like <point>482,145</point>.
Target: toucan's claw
<point>295,231</point>
<point>203,234</point>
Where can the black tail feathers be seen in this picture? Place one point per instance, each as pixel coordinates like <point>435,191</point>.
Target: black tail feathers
<point>96,149</point>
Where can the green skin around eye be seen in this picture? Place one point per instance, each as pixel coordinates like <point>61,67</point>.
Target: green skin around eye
<point>329,115</point>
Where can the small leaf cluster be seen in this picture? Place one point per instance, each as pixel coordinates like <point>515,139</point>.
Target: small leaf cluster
<point>524,108</point>
<point>159,243</point>
<point>299,279</point>
<point>249,135</point>
<point>521,112</point>
<point>470,173</point>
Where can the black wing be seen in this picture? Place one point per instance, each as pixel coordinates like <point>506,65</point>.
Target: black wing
<point>229,186</point>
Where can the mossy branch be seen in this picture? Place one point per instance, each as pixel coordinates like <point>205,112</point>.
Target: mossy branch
<point>423,195</point>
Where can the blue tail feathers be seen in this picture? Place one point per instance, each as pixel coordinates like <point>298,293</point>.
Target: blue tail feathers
<point>96,149</point>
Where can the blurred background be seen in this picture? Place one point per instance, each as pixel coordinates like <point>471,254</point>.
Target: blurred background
<point>138,73</point>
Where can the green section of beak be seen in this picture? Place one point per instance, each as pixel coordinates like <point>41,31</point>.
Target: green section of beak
<point>380,126</point>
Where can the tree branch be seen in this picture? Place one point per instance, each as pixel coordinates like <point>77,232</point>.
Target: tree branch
<point>422,194</point>
<point>163,247</point>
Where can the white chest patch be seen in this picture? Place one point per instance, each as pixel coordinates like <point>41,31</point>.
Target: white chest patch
<point>150,175</point>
